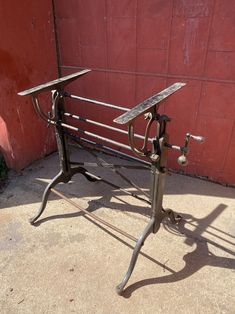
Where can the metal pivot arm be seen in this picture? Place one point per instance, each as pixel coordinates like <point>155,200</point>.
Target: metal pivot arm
<point>142,152</point>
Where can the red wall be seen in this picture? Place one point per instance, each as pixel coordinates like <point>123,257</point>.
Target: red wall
<point>27,57</point>
<point>138,47</point>
<point>135,48</point>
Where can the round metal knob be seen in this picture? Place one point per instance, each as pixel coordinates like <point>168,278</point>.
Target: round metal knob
<point>182,160</point>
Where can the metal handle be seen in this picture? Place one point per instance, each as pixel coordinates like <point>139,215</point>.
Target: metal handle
<point>197,138</point>
<point>182,160</point>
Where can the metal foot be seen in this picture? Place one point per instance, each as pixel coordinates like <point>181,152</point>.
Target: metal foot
<point>139,244</point>
<point>174,218</point>
<point>60,177</point>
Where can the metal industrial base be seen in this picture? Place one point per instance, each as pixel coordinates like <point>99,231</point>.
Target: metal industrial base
<point>152,154</point>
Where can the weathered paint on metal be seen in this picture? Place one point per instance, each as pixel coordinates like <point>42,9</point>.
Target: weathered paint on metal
<point>57,84</point>
<point>146,105</point>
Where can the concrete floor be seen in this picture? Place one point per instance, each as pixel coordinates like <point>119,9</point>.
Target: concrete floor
<point>69,264</point>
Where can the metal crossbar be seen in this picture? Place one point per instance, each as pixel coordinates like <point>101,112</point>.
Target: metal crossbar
<point>79,140</point>
<point>67,114</point>
<point>96,102</point>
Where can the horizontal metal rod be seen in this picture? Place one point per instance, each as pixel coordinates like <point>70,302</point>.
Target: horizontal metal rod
<point>108,149</point>
<point>117,187</point>
<point>94,216</point>
<point>96,102</point>
<point>65,125</point>
<point>106,165</point>
<point>105,223</point>
<point>176,147</point>
<point>67,114</point>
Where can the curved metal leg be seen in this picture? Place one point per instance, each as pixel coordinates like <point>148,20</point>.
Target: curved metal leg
<point>60,177</point>
<point>139,243</point>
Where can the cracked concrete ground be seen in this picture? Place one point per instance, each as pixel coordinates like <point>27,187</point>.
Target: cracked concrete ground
<point>70,264</point>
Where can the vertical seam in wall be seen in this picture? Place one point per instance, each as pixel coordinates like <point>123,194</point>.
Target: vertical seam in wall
<point>80,41</point>
<point>203,73</point>
<point>200,96</point>
<point>229,144</point>
<point>169,46</point>
<point>221,170</point>
<point>136,50</point>
<point>169,39</point>
<point>209,37</point>
<point>107,54</point>
<point>56,38</point>
<point>205,60</point>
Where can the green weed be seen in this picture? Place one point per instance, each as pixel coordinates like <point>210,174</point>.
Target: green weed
<point>3,169</point>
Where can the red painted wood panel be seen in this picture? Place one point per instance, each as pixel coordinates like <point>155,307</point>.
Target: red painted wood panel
<point>138,47</point>
<point>27,58</point>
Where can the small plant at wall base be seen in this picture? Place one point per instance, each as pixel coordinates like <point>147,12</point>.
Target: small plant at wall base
<point>3,171</point>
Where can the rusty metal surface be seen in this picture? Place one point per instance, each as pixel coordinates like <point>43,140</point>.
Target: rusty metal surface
<point>148,104</point>
<point>55,84</point>
<point>93,216</point>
